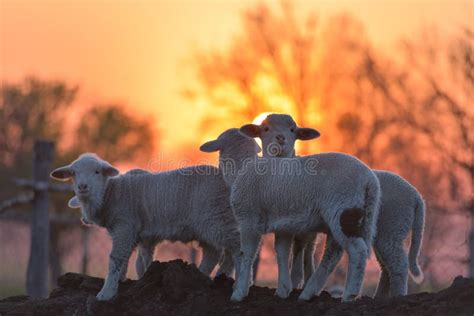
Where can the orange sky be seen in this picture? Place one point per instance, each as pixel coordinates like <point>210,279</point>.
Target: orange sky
<point>135,51</point>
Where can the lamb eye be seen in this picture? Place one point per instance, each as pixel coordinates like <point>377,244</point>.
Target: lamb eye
<point>292,130</point>
<point>266,128</point>
<point>97,172</point>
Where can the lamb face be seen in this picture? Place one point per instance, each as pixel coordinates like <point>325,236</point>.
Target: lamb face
<point>231,142</point>
<point>278,133</point>
<point>235,150</point>
<point>89,175</point>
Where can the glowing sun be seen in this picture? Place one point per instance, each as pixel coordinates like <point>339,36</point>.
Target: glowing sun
<point>259,119</point>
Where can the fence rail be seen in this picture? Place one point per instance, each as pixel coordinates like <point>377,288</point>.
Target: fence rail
<point>43,185</point>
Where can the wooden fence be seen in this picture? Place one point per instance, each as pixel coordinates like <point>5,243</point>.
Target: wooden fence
<point>35,192</point>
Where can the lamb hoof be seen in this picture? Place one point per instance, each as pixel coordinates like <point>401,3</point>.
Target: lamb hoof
<point>238,296</point>
<point>349,298</point>
<point>304,297</point>
<point>104,295</point>
<point>283,292</point>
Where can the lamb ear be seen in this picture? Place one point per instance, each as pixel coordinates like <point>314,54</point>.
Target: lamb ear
<point>250,130</point>
<point>109,171</point>
<point>62,174</point>
<point>210,146</point>
<point>73,202</point>
<point>306,133</point>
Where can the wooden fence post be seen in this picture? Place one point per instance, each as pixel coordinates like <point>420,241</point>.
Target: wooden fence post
<point>37,272</point>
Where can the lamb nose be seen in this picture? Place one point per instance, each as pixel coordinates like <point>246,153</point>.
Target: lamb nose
<point>280,138</point>
<point>82,186</point>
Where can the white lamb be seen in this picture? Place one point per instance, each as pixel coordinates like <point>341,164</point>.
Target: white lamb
<point>401,209</point>
<point>179,205</point>
<point>278,133</point>
<point>296,196</point>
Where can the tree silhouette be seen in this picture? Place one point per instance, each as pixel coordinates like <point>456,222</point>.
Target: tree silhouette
<point>270,66</point>
<point>40,109</point>
<point>440,111</point>
<point>409,111</point>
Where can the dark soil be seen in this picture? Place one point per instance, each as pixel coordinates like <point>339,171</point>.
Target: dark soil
<point>176,288</point>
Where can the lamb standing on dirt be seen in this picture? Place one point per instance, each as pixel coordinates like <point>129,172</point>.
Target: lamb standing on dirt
<point>312,194</point>
<point>401,209</point>
<point>179,205</point>
<point>278,133</point>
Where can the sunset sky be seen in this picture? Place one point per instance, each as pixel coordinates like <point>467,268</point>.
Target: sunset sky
<point>142,53</point>
<point>136,52</point>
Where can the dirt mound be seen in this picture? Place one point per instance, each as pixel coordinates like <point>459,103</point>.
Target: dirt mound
<point>176,288</point>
